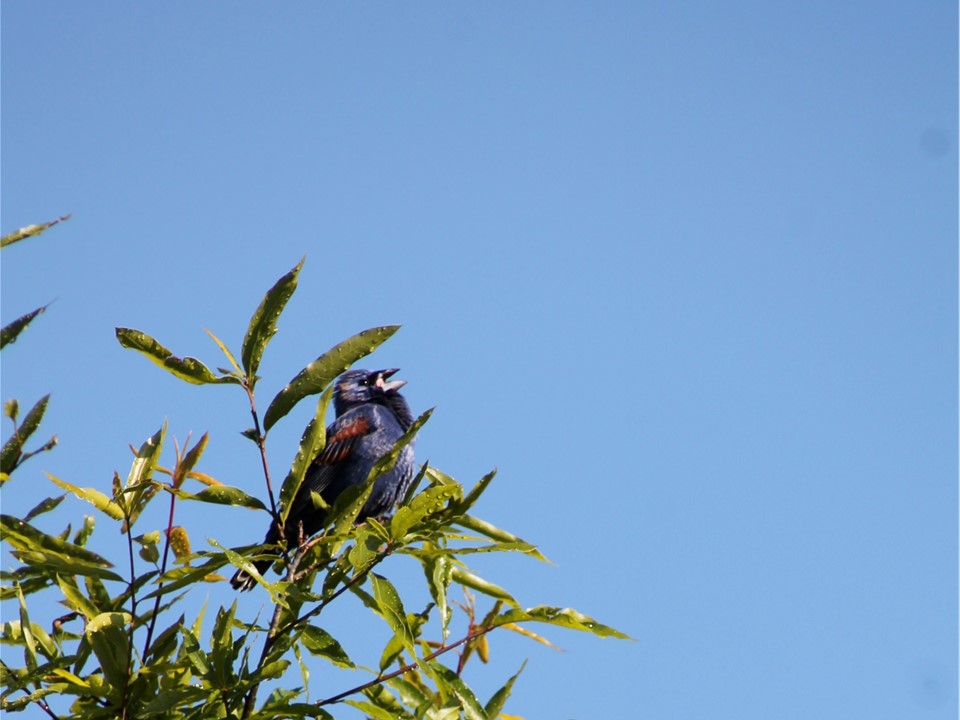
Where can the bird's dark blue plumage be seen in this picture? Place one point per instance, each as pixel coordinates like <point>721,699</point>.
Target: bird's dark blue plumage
<point>371,415</point>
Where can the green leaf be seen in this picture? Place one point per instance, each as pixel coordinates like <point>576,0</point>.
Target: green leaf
<point>263,324</point>
<point>10,455</point>
<point>472,710</point>
<point>226,351</point>
<point>468,579</point>
<point>30,647</point>
<point>495,704</point>
<point>563,617</point>
<point>11,331</point>
<point>371,710</point>
<point>437,569</point>
<point>186,368</point>
<point>29,231</point>
<point>315,377</point>
<point>491,531</point>
<point>312,443</point>
<point>74,597</point>
<point>239,561</point>
<point>23,536</point>
<point>165,643</point>
<point>189,460</point>
<point>93,496</point>
<point>109,638</point>
<point>44,506</point>
<point>475,492</point>
<point>223,495</point>
<point>138,489</point>
<point>191,650</point>
<point>320,643</point>
<point>429,502</point>
<point>391,609</point>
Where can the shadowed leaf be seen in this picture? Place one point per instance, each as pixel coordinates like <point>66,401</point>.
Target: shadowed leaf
<point>108,637</point>
<point>312,443</point>
<point>319,642</point>
<point>495,704</point>
<point>12,330</point>
<point>12,453</point>
<point>263,324</point>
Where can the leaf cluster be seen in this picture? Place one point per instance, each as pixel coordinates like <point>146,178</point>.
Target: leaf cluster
<point>126,647</point>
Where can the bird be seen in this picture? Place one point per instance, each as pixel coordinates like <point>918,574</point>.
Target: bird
<point>370,416</point>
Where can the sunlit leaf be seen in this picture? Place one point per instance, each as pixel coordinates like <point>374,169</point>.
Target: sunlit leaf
<point>179,542</point>
<point>391,609</point>
<point>315,377</point>
<point>189,461</point>
<point>226,351</point>
<point>239,561</point>
<point>223,495</point>
<point>472,709</point>
<point>563,617</point>
<point>438,573</point>
<point>186,368</point>
<point>29,231</point>
<point>429,502</point>
<point>138,490</point>
<point>263,324</point>
<point>99,500</point>
<point>491,531</point>
<point>372,711</point>
<point>468,579</point>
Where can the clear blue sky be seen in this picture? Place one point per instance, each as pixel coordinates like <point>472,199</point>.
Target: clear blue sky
<point>686,273</point>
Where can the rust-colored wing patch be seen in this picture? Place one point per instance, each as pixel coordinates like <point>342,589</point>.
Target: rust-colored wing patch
<point>339,444</point>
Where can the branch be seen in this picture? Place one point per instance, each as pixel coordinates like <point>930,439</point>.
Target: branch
<point>39,701</point>
<point>272,634</point>
<point>361,574</point>
<point>473,634</point>
<point>163,569</point>
<point>262,445</point>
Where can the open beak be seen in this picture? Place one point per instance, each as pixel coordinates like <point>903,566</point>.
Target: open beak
<point>386,386</point>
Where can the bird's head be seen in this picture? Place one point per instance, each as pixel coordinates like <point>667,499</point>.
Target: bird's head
<point>362,386</point>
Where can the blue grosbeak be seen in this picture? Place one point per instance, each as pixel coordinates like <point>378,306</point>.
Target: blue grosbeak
<point>370,417</point>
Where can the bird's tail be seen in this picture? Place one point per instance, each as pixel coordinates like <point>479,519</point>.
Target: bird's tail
<point>242,580</point>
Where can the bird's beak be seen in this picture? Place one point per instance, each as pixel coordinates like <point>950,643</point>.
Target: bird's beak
<point>392,384</point>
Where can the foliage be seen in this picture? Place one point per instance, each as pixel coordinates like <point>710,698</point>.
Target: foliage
<point>125,648</point>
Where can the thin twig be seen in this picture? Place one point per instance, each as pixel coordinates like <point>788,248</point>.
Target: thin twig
<point>272,634</point>
<point>262,445</point>
<point>340,591</point>
<point>163,569</point>
<point>39,701</point>
<point>133,611</point>
<point>473,634</point>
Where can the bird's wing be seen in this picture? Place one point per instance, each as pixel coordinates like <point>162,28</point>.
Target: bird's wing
<point>342,436</point>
